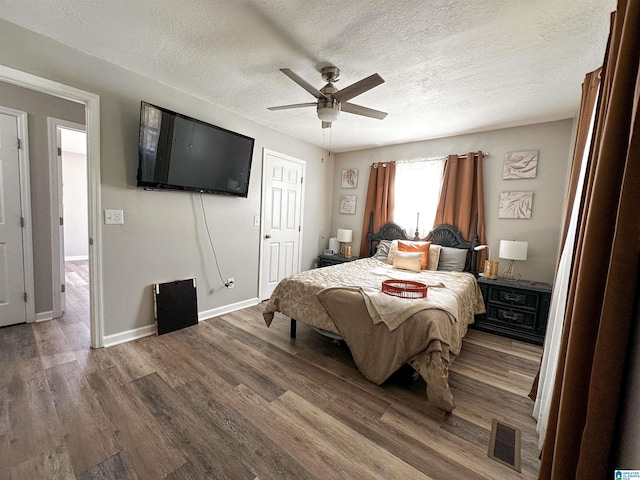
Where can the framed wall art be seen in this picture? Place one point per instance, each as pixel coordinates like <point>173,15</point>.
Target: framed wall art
<point>347,204</point>
<point>520,165</point>
<point>350,178</point>
<point>515,205</point>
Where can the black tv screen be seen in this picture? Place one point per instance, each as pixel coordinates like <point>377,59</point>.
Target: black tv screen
<point>181,153</point>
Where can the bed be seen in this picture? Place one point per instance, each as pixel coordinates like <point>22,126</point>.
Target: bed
<point>383,332</point>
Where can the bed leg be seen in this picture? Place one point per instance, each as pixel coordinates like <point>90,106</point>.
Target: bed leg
<point>293,328</point>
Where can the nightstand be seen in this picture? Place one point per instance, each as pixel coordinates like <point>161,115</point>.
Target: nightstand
<point>515,309</point>
<point>326,260</point>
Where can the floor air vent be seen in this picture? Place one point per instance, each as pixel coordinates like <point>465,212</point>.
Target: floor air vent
<point>504,445</point>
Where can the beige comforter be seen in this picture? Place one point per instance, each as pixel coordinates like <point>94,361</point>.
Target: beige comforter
<point>334,298</point>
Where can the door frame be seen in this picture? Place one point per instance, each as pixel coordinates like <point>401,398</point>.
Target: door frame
<point>25,209</point>
<point>265,153</point>
<point>91,101</point>
<point>55,199</point>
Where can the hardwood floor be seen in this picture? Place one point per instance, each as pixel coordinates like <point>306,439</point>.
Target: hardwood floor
<point>231,398</point>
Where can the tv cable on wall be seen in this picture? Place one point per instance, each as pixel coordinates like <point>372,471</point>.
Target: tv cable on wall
<point>213,249</point>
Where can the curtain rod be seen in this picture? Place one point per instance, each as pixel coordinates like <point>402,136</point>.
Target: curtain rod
<point>475,154</point>
<point>429,159</point>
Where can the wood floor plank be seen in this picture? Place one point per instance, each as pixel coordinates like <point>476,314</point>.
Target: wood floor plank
<point>131,361</point>
<point>87,436</point>
<point>52,344</point>
<point>234,368</point>
<point>365,459</point>
<point>113,467</point>
<point>460,451</point>
<point>496,343</point>
<point>134,428</point>
<point>17,343</point>
<point>398,443</point>
<point>268,369</point>
<point>319,460</point>
<point>53,465</point>
<point>265,459</point>
<point>251,321</point>
<point>206,445</point>
<point>30,425</point>
<point>77,335</point>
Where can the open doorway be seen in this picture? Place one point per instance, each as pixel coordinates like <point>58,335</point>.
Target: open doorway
<point>69,204</point>
<point>91,102</point>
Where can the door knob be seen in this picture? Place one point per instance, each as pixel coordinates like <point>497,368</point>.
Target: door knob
<point>267,236</point>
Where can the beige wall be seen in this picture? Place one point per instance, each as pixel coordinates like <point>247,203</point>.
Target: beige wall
<point>40,106</point>
<point>163,236</point>
<point>552,140</point>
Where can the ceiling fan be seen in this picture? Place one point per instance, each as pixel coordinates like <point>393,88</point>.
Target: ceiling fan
<point>332,101</point>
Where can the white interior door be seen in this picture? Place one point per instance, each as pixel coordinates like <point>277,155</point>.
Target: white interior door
<point>281,219</point>
<point>13,303</point>
<point>74,134</point>
<point>60,215</point>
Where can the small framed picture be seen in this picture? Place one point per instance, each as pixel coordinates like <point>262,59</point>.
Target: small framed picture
<point>350,178</point>
<point>347,204</point>
<point>520,165</point>
<point>515,205</point>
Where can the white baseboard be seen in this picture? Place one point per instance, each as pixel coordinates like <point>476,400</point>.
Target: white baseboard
<point>116,338</point>
<point>78,257</point>
<point>215,312</point>
<point>44,316</point>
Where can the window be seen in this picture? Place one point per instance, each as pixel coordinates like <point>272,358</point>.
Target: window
<point>417,191</point>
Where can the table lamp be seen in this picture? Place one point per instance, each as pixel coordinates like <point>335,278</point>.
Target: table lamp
<point>344,237</point>
<point>512,250</point>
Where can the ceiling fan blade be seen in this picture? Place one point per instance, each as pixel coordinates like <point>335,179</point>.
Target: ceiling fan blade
<point>360,110</point>
<point>303,83</point>
<point>326,124</point>
<point>295,105</point>
<point>357,88</point>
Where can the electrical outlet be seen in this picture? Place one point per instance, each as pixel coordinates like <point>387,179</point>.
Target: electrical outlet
<point>230,283</point>
<point>113,217</point>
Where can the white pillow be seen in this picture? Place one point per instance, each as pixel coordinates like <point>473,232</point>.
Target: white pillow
<point>408,260</point>
<point>382,250</point>
<point>452,259</point>
<point>392,251</point>
<point>434,257</point>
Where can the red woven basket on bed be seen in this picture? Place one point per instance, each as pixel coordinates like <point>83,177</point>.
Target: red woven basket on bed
<point>404,288</point>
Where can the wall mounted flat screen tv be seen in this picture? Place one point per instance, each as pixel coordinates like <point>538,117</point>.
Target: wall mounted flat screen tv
<point>181,153</point>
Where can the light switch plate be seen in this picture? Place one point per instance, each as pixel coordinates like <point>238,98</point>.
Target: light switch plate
<point>114,217</point>
<point>256,221</point>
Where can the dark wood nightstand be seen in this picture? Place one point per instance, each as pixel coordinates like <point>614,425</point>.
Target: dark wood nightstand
<point>326,260</point>
<point>515,309</point>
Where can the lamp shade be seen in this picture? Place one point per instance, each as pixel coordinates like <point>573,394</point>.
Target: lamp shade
<point>513,250</point>
<point>345,235</point>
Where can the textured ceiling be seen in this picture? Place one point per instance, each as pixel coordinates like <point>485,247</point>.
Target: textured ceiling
<point>450,66</point>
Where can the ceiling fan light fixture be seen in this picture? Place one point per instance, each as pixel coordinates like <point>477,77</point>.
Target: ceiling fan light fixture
<point>328,114</point>
<point>328,110</point>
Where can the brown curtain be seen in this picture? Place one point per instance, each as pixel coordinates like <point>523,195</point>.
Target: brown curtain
<point>462,197</point>
<point>580,433</point>
<point>589,93</point>
<point>590,88</point>
<point>380,196</point>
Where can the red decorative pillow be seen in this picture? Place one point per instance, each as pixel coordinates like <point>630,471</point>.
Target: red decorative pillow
<point>416,248</point>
